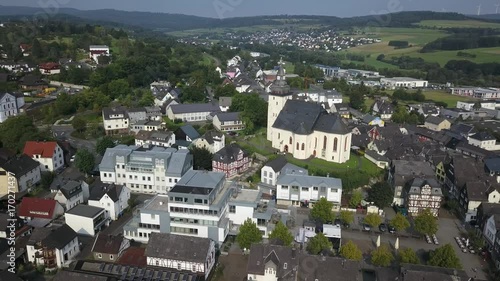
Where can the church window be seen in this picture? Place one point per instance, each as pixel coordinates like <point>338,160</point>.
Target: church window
<point>345,144</point>
<point>324,142</point>
<point>290,140</point>
<point>335,143</point>
<point>303,146</point>
<point>315,142</point>
<point>279,135</point>
<point>297,146</point>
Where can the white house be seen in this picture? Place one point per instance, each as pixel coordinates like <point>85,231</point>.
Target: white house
<point>10,105</point>
<point>469,106</point>
<point>95,51</point>
<point>303,190</point>
<point>53,248</point>
<point>145,169</point>
<point>213,141</point>
<point>273,169</point>
<point>225,103</point>
<point>180,252</point>
<point>403,82</point>
<point>49,154</point>
<point>86,220</point>
<point>194,112</point>
<point>473,194</point>
<point>113,198</point>
<point>18,174</point>
<point>49,68</point>
<point>228,121</point>
<point>156,138</point>
<point>146,125</point>
<point>70,195</point>
<point>116,120</point>
<point>484,140</point>
<point>490,228</point>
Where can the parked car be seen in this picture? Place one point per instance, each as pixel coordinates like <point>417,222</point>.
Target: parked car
<point>337,222</point>
<point>367,227</point>
<point>392,229</point>
<point>382,227</point>
<point>72,158</point>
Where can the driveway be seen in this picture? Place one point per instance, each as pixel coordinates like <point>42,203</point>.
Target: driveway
<point>63,132</point>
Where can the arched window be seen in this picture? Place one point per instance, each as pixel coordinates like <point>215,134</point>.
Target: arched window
<point>290,140</point>
<point>279,135</point>
<point>297,146</point>
<point>303,146</point>
<point>345,144</point>
<point>324,142</point>
<point>316,142</point>
<point>335,143</point>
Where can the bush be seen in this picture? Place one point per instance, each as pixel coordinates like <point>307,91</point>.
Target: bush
<point>398,44</point>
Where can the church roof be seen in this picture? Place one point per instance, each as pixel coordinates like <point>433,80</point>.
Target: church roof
<point>303,118</point>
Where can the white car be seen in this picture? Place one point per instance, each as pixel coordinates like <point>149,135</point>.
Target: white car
<point>72,158</point>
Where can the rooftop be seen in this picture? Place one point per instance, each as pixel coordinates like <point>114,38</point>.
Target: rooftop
<point>157,203</point>
<point>85,211</point>
<point>178,247</point>
<point>195,179</point>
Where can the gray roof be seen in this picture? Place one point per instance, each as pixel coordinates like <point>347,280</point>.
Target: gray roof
<point>229,153</point>
<point>261,254</point>
<point>194,107</point>
<point>19,165</point>
<point>71,188</point>
<point>63,275</point>
<point>190,131</point>
<point>107,244</point>
<point>373,154</point>
<point>99,189</point>
<point>200,179</point>
<point>277,164</point>
<point>107,111</point>
<point>59,237</point>
<point>368,118</point>
<point>292,169</point>
<point>434,120</point>
<point>225,101</point>
<point>483,136</point>
<point>178,247</point>
<point>493,164</point>
<point>228,116</point>
<point>383,107</point>
<point>414,272</point>
<point>405,171</point>
<point>212,135</point>
<point>303,118</point>
<point>305,180</point>
<point>85,211</point>
<point>417,184</point>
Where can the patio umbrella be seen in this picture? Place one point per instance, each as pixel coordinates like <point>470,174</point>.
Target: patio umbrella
<point>378,241</point>
<point>396,245</point>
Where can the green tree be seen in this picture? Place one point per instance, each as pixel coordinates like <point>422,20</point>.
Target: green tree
<point>79,124</point>
<point>118,88</point>
<point>382,256</point>
<point>282,233</point>
<point>426,223</point>
<point>202,158</point>
<point>356,198</point>
<point>351,251</point>
<point>346,217</point>
<point>357,100</point>
<point>445,256</point>
<point>103,144</point>
<point>329,85</point>
<point>400,222</point>
<point>147,99</point>
<point>318,243</point>
<point>408,255</point>
<point>373,219</point>
<point>248,235</point>
<point>477,105</point>
<point>322,211</point>
<point>381,194</point>
<point>84,161</point>
<point>227,90</point>
<point>47,179</point>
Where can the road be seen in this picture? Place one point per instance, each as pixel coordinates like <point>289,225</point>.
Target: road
<point>63,132</point>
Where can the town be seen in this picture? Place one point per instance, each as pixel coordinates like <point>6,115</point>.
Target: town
<point>125,157</point>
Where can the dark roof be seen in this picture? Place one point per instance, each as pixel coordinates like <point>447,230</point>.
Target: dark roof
<point>476,190</point>
<point>20,165</point>
<point>107,111</point>
<point>490,208</point>
<point>376,156</point>
<point>59,237</point>
<point>8,276</point>
<point>194,107</point>
<point>277,164</point>
<point>99,189</point>
<point>482,136</point>
<point>434,120</point>
<point>261,254</point>
<point>210,135</point>
<point>178,247</point>
<point>63,275</point>
<point>229,153</point>
<point>228,116</point>
<point>492,164</point>
<point>107,244</point>
<point>71,188</point>
<point>328,268</point>
<point>303,118</point>
<point>190,131</point>
<point>32,80</point>
<point>39,234</point>
<point>225,101</point>
<point>85,211</point>
<point>383,107</point>
<point>463,129</point>
<point>413,272</point>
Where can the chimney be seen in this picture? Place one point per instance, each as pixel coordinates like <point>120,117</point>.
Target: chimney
<point>294,253</point>
<point>328,175</point>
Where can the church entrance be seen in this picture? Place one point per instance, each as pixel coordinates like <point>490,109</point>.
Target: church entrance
<point>314,153</point>
<point>285,148</point>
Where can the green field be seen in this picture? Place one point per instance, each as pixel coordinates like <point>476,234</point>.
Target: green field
<point>253,28</point>
<point>458,23</point>
<point>449,99</point>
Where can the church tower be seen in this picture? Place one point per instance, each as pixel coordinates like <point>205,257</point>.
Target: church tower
<point>280,93</point>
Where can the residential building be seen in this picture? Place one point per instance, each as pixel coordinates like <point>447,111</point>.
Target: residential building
<point>225,103</point>
<point>155,138</point>
<point>136,114</point>
<point>228,121</point>
<point>95,51</point>
<point>303,190</point>
<point>145,169</point>
<point>17,173</point>
<point>153,113</point>
<point>381,161</point>
<point>48,153</point>
<point>116,120</point>
<point>53,248</point>
<point>476,92</point>
<point>373,120</point>
<point>112,197</point>
<point>460,170</point>
<point>403,82</point>
<point>70,195</point>
<point>492,167</point>
<point>470,105</point>
<point>195,112</point>
<point>39,208</point>
<point>146,125</point>
<point>473,194</point>
<point>342,109</point>
<point>109,248</point>
<point>423,194</point>
<point>212,140</point>
<point>273,169</point>
<point>491,227</point>
<point>402,172</point>
<point>10,105</point>
<point>195,254</point>
<point>231,160</point>
<point>437,123</point>
<point>49,68</point>
<point>185,135</point>
<point>484,140</point>
<point>383,108</point>
<point>86,220</point>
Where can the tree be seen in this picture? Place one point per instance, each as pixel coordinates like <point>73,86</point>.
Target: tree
<point>357,100</point>
<point>400,222</point>
<point>408,255</point>
<point>382,256</point>
<point>202,158</point>
<point>381,194</point>
<point>248,235</point>
<point>356,198</point>
<point>318,243</point>
<point>46,179</point>
<point>373,220</point>
<point>445,256</point>
<point>79,124</point>
<point>282,233</point>
<point>346,217</point>
<point>351,251</point>
<point>227,90</point>
<point>103,144</point>
<point>477,105</point>
<point>322,211</point>
<point>426,223</point>
<point>84,161</point>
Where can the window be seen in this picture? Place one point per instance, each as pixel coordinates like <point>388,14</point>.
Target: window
<point>143,178</point>
<point>179,266</point>
<point>153,216</point>
<point>198,201</point>
<point>315,188</point>
<point>99,255</point>
<point>322,189</point>
<point>305,188</point>
<point>111,257</point>
<point>303,146</point>
<point>194,267</point>
<point>284,187</point>
<point>170,180</point>
<point>279,135</point>
<point>297,146</point>
<point>265,173</point>
<point>334,190</point>
<point>335,144</point>
<point>290,140</point>
<point>324,142</point>
<point>232,209</point>
<point>345,144</point>
<point>285,265</point>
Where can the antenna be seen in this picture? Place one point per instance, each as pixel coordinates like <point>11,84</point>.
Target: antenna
<point>479,10</point>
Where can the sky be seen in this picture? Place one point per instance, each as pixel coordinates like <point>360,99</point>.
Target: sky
<point>239,8</point>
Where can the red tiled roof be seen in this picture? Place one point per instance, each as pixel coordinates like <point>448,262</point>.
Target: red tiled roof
<point>98,52</point>
<point>37,208</point>
<point>45,149</point>
<point>49,66</point>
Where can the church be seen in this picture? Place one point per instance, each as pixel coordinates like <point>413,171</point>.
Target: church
<point>305,129</point>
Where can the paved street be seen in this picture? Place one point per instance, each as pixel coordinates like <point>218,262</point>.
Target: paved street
<point>63,132</point>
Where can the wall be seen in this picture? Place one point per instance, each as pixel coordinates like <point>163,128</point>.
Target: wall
<point>80,225</point>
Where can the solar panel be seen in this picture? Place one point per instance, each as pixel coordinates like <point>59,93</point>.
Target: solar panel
<point>118,268</point>
<point>158,275</point>
<point>175,276</point>
<point>101,267</point>
<point>185,277</point>
<point>124,276</point>
<point>110,268</point>
<point>167,276</point>
<point>148,273</point>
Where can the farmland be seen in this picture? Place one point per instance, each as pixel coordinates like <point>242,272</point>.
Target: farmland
<point>461,24</point>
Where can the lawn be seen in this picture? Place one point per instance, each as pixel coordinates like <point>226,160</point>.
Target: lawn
<point>458,23</point>
<point>91,117</point>
<point>298,26</point>
<point>442,96</point>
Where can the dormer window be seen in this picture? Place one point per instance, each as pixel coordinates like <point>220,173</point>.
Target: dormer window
<point>285,265</point>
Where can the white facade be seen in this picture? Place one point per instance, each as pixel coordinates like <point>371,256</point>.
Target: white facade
<point>117,121</point>
<point>268,175</point>
<point>71,202</point>
<point>403,82</point>
<point>86,225</point>
<point>469,106</point>
<point>218,143</point>
<point>192,116</point>
<point>47,163</point>
<point>113,209</point>
<point>484,144</point>
<point>63,256</point>
<point>98,50</point>
<point>490,230</point>
<point>9,106</point>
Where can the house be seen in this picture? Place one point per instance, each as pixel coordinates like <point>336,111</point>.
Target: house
<point>136,114</point>
<point>146,125</point>
<point>476,92</point>
<point>156,138</point>
<point>231,160</point>
<point>95,51</point>
<point>463,130</point>
<point>49,68</point>
<point>437,123</point>
<point>48,153</point>
<point>195,254</point>
<point>116,120</point>
<point>225,103</point>
<point>10,105</point>
<point>421,194</point>
<point>31,208</point>
<point>145,169</point>
<point>53,248</point>
<point>212,140</point>
<point>414,272</point>
<point>403,82</point>
<point>343,110</point>
<point>484,140</point>
<point>383,108</point>
<point>70,195</point>
<point>304,190</point>
<point>195,112</point>
<point>228,121</point>
<point>86,220</point>
<point>185,135</point>
<point>113,198</point>
<point>153,113</point>
<point>492,167</point>
<point>459,170</point>
<point>109,248</point>
<point>470,105</point>
<point>401,172</point>
<point>31,82</point>
<point>372,120</point>
<point>17,173</point>
<point>381,161</point>
<point>473,194</point>
<point>273,169</point>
